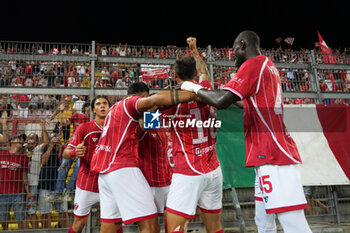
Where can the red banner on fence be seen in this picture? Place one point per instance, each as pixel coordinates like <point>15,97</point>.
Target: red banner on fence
<point>153,72</point>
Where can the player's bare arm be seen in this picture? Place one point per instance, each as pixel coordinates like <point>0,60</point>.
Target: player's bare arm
<point>219,99</point>
<point>201,67</point>
<point>71,152</point>
<point>165,98</point>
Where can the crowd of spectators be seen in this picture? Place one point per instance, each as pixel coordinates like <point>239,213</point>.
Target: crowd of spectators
<point>342,56</point>
<point>112,75</point>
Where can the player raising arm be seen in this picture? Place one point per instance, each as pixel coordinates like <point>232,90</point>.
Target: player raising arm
<point>82,145</point>
<point>269,147</point>
<point>197,177</point>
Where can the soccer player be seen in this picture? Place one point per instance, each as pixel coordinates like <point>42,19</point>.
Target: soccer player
<point>197,177</point>
<point>82,145</point>
<point>269,147</point>
<point>154,163</point>
<point>125,195</point>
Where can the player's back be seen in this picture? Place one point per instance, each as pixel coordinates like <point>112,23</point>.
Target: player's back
<point>267,140</point>
<point>193,134</point>
<point>153,158</point>
<point>118,144</point>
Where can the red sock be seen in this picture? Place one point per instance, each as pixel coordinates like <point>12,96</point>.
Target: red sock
<point>120,230</point>
<point>71,229</point>
<point>221,231</point>
<point>177,232</point>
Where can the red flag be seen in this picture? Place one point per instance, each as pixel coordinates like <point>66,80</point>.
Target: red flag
<point>328,57</point>
<point>278,40</point>
<point>289,40</point>
<point>326,51</point>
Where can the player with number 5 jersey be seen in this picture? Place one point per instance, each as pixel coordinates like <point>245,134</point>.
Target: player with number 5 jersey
<point>269,147</point>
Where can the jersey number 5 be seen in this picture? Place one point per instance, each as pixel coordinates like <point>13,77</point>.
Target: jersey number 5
<point>265,184</point>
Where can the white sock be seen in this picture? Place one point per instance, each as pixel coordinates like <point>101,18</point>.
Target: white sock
<point>294,221</point>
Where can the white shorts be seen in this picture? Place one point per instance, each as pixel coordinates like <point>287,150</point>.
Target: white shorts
<point>188,192</point>
<point>125,196</point>
<point>83,202</point>
<point>160,196</point>
<point>280,188</point>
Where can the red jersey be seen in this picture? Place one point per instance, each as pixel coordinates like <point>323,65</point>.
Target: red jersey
<point>78,118</point>
<point>153,158</point>
<point>12,167</point>
<point>193,144</point>
<point>118,145</point>
<point>90,133</point>
<point>267,141</point>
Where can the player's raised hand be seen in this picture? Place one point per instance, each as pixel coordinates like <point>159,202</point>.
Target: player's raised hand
<point>192,44</point>
<point>80,150</point>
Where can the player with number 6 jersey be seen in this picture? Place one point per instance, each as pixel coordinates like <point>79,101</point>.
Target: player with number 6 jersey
<point>193,147</point>
<point>197,177</point>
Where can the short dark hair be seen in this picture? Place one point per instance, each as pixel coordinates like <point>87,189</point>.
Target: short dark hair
<point>99,97</point>
<point>137,88</point>
<point>86,104</point>
<point>185,67</point>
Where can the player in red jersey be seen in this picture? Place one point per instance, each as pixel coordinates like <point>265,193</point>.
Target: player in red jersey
<point>125,195</point>
<point>269,147</point>
<point>154,146</point>
<point>154,164</point>
<point>82,145</point>
<point>197,177</point>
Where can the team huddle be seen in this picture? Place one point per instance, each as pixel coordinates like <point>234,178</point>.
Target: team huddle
<point>138,175</point>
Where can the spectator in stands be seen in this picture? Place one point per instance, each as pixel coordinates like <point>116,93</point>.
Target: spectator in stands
<point>34,152</point>
<point>4,135</point>
<point>47,181</point>
<point>33,103</point>
<point>64,112</point>
<point>66,164</point>
<point>78,105</point>
<point>14,188</point>
<point>5,81</point>
<point>104,51</point>
<point>6,106</point>
<point>105,77</point>
<point>121,82</point>
<point>81,72</point>
<point>291,77</point>
<point>75,50</point>
<point>22,103</point>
